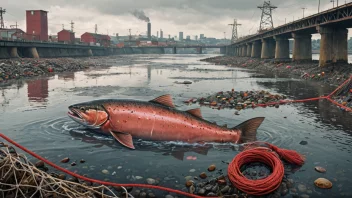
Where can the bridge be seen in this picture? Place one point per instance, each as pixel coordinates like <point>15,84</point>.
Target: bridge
<point>331,24</point>
<point>32,49</point>
<point>198,47</point>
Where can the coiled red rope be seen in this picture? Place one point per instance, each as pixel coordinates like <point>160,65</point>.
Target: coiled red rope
<point>270,156</point>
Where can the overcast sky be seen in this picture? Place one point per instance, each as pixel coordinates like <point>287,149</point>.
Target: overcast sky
<point>193,17</point>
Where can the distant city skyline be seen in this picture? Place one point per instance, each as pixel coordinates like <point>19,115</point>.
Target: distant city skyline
<point>192,17</point>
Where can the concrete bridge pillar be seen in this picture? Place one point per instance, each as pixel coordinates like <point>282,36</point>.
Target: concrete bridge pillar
<point>13,52</point>
<point>200,50</point>
<point>90,52</point>
<point>244,50</point>
<point>333,45</point>
<point>282,50</point>
<point>256,49</point>
<point>236,51</point>
<point>174,50</point>
<point>249,49</point>
<point>302,47</point>
<point>33,52</point>
<point>268,48</point>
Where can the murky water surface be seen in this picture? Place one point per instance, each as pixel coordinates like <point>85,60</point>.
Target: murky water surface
<point>34,113</point>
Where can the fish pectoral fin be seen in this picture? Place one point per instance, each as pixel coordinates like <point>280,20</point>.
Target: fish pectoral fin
<point>124,138</point>
<point>165,100</point>
<point>178,155</point>
<point>195,112</point>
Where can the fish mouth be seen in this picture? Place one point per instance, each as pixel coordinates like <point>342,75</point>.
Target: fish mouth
<point>76,116</point>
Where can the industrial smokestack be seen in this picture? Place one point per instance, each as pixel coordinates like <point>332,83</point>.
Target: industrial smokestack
<point>149,31</point>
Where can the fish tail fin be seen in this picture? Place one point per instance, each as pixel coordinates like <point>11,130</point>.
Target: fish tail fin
<point>249,129</point>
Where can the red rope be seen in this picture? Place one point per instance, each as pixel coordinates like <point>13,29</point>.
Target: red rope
<point>95,180</point>
<point>267,156</point>
<point>343,84</point>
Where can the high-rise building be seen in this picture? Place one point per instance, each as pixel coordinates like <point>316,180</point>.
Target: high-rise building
<point>201,36</point>
<point>180,36</point>
<point>196,37</point>
<point>161,33</point>
<point>37,25</point>
<point>188,38</point>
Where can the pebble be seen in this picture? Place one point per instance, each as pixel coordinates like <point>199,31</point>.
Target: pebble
<point>73,164</point>
<point>323,183</point>
<point>188,178</point>
<point>225,189</point>
<point>222,181</point>
<point>62,176</point>
<point>304,196</point>
<point>192,189</point>
<point>82,161</point>
<point>151,195</point>
<point>105,171</point>
<point>169,196</point>
<point>303,143</point>
<point>119,167</point>
<point>192,170</point>
<point>151,181</point>
<point>139,177</point>
<point>237,113</point>
<point>320,169</point>
<point>65,160</point>
<point>189,183</point>
<point>203,175</point>
<point>302,188</point>
<point>201,191</point>
<point>143,195</point>
<point>211,168</point>
<point>39,164</point>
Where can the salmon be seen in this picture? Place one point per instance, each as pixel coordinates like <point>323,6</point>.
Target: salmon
<point>157,120</point>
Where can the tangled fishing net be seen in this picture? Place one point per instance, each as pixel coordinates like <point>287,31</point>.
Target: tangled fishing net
<point>20,178</point>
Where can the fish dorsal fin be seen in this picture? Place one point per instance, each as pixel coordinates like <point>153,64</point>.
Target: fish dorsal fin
<point>123,138</point>
<point>165,100</point>
<point>195,112</point>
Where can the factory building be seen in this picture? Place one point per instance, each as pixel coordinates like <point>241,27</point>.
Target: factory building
<point>95,39</point>
<point>66,36</point>
<point>37,25</point>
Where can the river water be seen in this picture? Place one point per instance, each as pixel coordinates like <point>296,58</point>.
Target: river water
<point>34,113</point>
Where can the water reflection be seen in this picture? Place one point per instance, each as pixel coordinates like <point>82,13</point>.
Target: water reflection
<point>37,90</point>
<point>166,149</point>
<point>66,76</point>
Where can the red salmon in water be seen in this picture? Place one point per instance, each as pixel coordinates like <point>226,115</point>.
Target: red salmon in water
<point>158,120</point>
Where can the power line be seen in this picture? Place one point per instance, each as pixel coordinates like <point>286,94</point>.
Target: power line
<point>2,11</point>
<point>303,11</point>
<point>266,20</point>
<point>234,31</point>
<point>72,25</point>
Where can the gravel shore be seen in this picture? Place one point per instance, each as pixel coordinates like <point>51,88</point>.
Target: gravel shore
<point>334,75</point>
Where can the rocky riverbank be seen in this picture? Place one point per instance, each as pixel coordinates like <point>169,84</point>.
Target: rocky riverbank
<point>29,67</point>
<point>333,75</point>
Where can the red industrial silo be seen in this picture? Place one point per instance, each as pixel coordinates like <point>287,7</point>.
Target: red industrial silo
<point>37,25</point>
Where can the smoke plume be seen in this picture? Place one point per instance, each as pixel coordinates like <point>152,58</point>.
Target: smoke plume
<point>140,15</point>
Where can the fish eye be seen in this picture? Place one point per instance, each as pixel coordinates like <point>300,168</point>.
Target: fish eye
<point>82,109</point>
